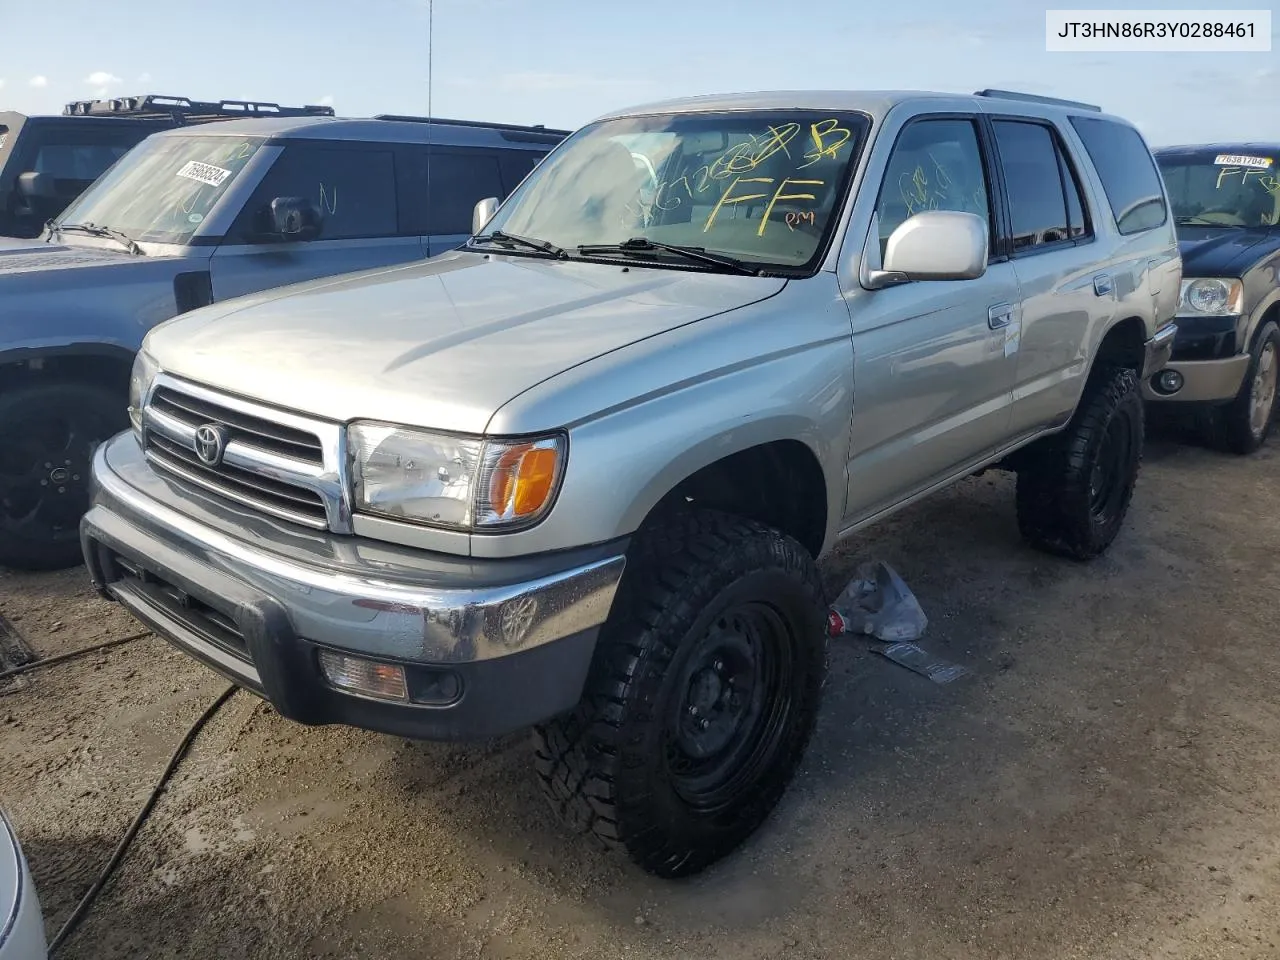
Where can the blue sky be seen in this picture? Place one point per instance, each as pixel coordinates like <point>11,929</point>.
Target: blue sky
<point>562,62</point>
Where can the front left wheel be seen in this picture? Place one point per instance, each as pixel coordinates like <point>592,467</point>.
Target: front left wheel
<point>48,433</point>
<point>1243,425</point>
<point>701,698</point>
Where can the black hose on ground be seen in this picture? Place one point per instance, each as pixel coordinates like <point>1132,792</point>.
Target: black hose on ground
<point>118,855</point>
<point>70,655</point>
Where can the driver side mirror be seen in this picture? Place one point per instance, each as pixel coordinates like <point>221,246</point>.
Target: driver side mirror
<point>482,214</point>
<point>295,218</point>
<point>934,245</point>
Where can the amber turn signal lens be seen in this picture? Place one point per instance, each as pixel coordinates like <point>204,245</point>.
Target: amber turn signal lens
<point>523,479</point>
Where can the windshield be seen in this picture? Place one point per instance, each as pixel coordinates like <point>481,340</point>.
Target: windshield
<point>763,188</point>
<point>1221,189</point>
<point>164,187</point>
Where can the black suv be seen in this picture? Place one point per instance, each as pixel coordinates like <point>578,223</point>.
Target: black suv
<point>46,162</point>
<point>1226,357</point>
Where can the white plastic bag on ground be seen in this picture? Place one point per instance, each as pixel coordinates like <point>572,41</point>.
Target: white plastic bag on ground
<point>877,603</point>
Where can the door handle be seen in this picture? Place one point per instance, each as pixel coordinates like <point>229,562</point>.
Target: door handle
<point>999,316</point>
<point>1103,285</point>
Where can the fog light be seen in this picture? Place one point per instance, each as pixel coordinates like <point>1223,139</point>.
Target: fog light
<point>366,677</point>
<point>1168,382</point>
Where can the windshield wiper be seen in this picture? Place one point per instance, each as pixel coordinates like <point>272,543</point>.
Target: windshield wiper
<point>643,245</point>
<point>93,230</point>
<point>511,240</point>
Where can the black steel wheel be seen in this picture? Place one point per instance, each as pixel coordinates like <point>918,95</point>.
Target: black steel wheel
<point>48,434</point>
<point>1074,491</point>
<point>702,696</point>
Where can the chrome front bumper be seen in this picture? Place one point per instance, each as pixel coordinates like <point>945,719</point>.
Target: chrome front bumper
<point>256,600</point>
<point>1203,381</point>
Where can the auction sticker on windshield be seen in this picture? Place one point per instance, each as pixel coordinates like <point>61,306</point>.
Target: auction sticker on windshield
<point>1237,160</point>
<point>204,172</point>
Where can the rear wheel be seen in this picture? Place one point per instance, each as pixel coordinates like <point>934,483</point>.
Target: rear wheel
<point>1243,425</point>
<point>48,433</point>
<point>702,696</point>
<point>1073,495</point>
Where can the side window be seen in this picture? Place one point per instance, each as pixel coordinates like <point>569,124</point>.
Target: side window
<point>935,165</point>
<point>1127,171</point>
<point>458,182</point>
<point>1076,220</point>
<point>355,188</point>
<point>76,161</point>
<point>516,165</point>
<point>1042,191</point>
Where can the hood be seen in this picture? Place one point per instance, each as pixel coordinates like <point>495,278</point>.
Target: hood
<point>29,256</point>
<point>1223,251</point>
<point>442,343</point>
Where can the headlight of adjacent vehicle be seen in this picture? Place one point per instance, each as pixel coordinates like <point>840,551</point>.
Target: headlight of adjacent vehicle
<point>144,371</point>
<point>1213,297</point>
<point>462,483</point>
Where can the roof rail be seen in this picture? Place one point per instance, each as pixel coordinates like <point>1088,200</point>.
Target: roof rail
<point>515,127</point>
<point>186,110</point>
<point>1036,98</point>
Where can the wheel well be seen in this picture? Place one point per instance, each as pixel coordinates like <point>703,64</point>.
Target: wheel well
<point>104,370</point>
<point>1124,345</point>
<point>779,484</point>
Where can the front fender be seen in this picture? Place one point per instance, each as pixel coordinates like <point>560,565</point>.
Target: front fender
<point>728,383</point>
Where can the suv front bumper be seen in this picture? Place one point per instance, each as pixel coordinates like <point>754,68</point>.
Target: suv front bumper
<point>509,641</point>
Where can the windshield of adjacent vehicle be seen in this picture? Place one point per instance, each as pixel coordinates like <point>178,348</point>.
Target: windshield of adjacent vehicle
<point>1223,189</point>
<point>764,188</point>
<point>162,189</point>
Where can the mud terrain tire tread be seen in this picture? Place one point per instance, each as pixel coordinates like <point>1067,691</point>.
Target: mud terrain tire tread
<point>1053,488</point>
<point>593,763</point>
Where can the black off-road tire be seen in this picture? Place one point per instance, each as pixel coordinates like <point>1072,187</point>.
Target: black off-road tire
<point>48,432</point>
<point>617,766</point>
<point>1233,427</point>
<point>1074,492</point>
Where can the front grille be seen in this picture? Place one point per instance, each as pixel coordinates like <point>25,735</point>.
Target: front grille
<point>273,467</point>
<point>198,617</point>
<point>242,486</point>
<point>279,439</point>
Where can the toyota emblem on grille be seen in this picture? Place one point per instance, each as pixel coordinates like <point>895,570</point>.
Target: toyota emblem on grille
<point>211,442</point>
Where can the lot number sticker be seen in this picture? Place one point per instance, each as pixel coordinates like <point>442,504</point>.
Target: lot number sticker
<point>1237,160</point>
<point>204,172</point>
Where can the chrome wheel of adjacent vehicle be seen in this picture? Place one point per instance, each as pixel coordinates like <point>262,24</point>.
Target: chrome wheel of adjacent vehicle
<point>1243,425</point>
<point>1262,394</point>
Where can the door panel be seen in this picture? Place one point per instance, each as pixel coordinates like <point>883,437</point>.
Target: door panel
<point>247,268</point>
<point>934,361</point>
<point>932,384</point>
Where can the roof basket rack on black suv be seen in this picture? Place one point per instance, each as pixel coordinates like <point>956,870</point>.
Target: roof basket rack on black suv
<point>186,110</point>
<point>1036,98</point>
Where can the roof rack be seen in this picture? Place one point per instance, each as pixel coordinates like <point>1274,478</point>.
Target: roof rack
<point>1036,98</point>
<point>186,110</point>
<point>513,127</point>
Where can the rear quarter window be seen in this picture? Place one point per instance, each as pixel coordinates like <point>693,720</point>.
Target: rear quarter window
<point>1128,173</point>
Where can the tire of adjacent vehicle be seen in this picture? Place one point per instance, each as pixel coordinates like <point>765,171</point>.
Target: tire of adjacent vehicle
<point>1234,428</point>
<point>1073,496</point>
<point>628,764</point>
<point>49,424</point>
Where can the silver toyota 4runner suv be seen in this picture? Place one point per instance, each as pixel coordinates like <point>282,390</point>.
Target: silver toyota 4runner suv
<point>575,475</point>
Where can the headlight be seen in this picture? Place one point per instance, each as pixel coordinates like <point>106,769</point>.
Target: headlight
<point>1212,297</point>
<point>463,483</point>
<point>144,371</point>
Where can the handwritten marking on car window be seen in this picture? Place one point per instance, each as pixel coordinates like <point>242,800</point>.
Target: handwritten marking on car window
<point>328,199</point>
<point>794,218</point>
<point>824,140</point>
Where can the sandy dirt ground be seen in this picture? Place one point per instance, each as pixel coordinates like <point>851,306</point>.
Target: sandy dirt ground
<point>1104,785</point>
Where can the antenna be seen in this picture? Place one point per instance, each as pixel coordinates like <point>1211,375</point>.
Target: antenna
<point>430,125</point>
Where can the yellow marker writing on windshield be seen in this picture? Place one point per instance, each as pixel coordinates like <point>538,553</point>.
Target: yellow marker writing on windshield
<point>779,195</point>
<point>725,198</point>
